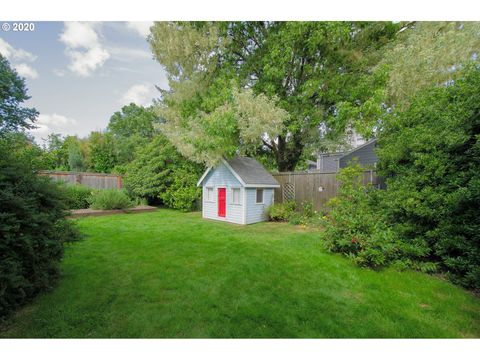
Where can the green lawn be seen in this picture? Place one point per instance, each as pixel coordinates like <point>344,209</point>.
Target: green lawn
<point>169,274</point>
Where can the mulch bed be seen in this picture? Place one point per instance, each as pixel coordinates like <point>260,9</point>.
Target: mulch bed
<point>90,212</point>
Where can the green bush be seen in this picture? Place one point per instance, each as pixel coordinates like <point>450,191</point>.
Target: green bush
<point>183,191</point>
<point>33,230</point>
<point>305,215</point>
<point>281,212</point>
<point>110,199</point>
<point>76,196</point>
<point>430,158</point>
<point>355,225</point>
<point>161,174</point>
<point>288,211</point>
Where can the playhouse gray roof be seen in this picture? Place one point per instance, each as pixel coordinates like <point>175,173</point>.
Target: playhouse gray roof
<point>248,171</point>
<point>251,171</point>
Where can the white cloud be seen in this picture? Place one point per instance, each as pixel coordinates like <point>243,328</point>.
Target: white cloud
<point>140,94</point>
<point>79,35</point>
<point>26,70</point>
<point>142,28</point>
<point>13,54</point>
<point>17,58</point>
<point>84,48</point>
<point>83,63</point>
<point>49,123</point>
<point>127,54</point>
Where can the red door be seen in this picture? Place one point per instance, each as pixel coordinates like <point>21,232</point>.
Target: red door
<point>222,201</point>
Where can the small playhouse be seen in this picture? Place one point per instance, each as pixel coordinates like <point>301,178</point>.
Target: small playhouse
<point>238,190</point>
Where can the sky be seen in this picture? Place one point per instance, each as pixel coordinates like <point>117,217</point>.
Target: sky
<point>79,73</point>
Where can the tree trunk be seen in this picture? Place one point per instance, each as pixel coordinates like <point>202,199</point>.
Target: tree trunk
<point>287,157</point>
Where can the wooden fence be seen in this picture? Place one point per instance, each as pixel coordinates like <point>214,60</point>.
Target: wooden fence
<point>315,187</point>
<point>93,180</point>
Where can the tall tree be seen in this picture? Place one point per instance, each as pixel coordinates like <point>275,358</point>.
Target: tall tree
<point>304,69</point>
<point>76,161</point>
<point>133,119</point>
<point>427,54</point>
<point>102,152</point>
<point>13,92</point>
<point>131,128</point>
<point>160,173</point>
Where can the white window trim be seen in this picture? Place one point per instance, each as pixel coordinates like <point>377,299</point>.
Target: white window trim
<point>263,196</point>
<point>213,194</point>
<point>239,195</point>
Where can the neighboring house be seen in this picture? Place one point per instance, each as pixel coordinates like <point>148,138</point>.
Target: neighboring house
<point>237,190</point>
<point>365,154</point>
<point>355,139</point>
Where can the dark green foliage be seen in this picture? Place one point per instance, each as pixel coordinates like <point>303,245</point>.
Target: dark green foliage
<point>110,199</point>
<point>57,153</point>
<point>13,92</point>
<point>427,218</point>
<point>357,227</point>
<point>102,154</point>
<point>183,192</point>
<point>24,149</point>
<point>312,67</point>
<point>309,68</point>
<point>58,149</point>
<point>430,157</point>
<point>160,174</point>
<point>133,120</point>
<point>103,151</point>
<point>33,231</point>
<point>76,196</point>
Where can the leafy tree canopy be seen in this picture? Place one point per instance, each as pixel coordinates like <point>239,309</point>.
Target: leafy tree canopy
<point>133,120</point>
<point>427,54</point>
<point>160,173</point>
<point>13,92</point>
<point>295,72</point>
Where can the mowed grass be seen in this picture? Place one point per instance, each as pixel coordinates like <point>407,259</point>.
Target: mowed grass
<point>168,274</point>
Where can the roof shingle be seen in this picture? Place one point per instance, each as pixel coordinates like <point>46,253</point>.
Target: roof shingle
<point>251,171</point>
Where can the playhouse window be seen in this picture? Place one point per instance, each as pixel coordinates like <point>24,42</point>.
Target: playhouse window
<point>209,194</point>
<point>236,196</point>
<point>259,196</point>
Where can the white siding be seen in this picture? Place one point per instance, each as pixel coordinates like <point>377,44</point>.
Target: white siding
<point>218,178</point>
<point>257,212</point>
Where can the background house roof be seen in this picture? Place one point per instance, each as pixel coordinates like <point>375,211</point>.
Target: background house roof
<point>359,147</point>
<point>251,171</point>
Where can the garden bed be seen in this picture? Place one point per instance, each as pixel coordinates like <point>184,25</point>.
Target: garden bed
<point>91,212</point>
